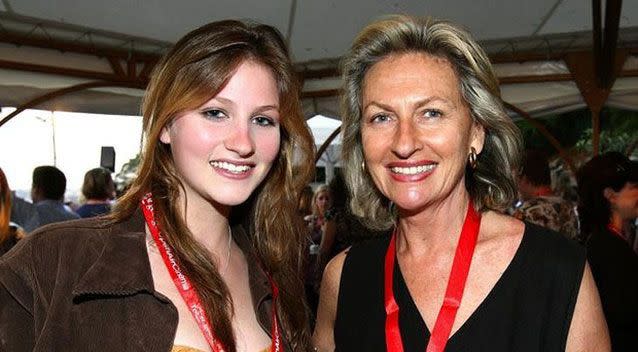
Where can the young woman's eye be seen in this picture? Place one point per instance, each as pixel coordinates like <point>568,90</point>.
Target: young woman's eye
<point>214,114</point>
<point>264,121</point>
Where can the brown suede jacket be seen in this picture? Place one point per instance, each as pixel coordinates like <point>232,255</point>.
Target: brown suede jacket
<point>86,285</point>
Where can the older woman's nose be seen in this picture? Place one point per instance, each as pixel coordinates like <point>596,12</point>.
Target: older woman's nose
<point>405,139</point>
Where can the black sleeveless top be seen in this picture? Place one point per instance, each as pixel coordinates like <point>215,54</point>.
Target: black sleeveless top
<point>529,309</point>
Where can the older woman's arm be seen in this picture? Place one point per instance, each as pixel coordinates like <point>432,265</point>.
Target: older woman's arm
<point>588,330</point>
<point>323,337</point>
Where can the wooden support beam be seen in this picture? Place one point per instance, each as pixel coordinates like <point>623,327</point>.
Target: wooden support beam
<point>321,93</point>
<point>64,91</point>
<point>583,67</point>
<point>63,71</point>
<point>115,65</point>
<point>595,132</point>
<point>146,70</point>
<point>131,66</point>
<point>326,143</point>
<point>607,75</point>
<point>545,132</point>
<point>318,74</point>
<point>66,46</point>
<point>559,77</point>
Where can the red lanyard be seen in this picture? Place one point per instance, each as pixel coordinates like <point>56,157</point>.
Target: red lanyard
<point>189,294</point>
<point>453,293</point>
<point>616,231</point>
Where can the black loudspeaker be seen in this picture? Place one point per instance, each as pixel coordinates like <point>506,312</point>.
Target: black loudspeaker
<point>107,158</point>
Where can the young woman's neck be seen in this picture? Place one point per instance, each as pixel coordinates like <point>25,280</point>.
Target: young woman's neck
<point>207,221</point>
<point>434,228</point>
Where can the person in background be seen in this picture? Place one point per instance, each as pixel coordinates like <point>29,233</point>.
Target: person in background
<point>304,207</point>
<point>428,151</point>
<point>204,251</point>
<point>10,233</point>
<point>342,228</point>
<point>315,224</point>
<point>321,202</point>
<point>47,193</point>
<point>540,205</point>
<point>608,192</point>
<point>98,190</point>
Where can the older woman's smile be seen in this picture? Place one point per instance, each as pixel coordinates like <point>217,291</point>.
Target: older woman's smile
<point>411,172</point>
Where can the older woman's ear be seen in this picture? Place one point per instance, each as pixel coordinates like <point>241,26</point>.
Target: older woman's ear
<point>478,137</point>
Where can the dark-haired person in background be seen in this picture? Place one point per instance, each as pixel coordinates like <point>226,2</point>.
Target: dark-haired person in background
<point>608,191</point>
<point>98,189</point>
<point>47,193</point>
<point>540,205</point>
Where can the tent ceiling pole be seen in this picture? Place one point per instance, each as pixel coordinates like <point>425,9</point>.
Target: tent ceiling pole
<point>63,71</point>
<point>582,66</point>
<point>64,91</point>
<point>607,73</point>
<point>545,132</point>
<point>73,47</point>
<point>326,143</point>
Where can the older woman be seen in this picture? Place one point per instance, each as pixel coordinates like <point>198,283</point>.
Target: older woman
<point>428,151</point>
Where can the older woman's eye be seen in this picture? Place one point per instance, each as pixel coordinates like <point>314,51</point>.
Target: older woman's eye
<point>380,118</point>
<point>214,114</point>
<point>433,113</point>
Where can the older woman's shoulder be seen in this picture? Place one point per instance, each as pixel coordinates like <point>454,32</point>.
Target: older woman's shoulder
<point>504,228</point>
<point>500,230</point>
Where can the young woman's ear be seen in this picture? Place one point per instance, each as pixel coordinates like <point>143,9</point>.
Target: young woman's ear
<point>165,136</point>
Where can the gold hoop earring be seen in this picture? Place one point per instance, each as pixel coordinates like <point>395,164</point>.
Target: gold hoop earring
<point>363,166</point>
<point>472,158</point>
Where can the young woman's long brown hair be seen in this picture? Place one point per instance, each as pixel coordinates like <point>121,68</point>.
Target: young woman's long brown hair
<point>193,72</point>
<point>5,208</point>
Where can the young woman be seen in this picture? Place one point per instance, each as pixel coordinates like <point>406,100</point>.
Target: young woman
<point>203,253</point>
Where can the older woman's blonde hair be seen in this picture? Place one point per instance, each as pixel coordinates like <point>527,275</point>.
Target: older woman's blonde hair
<point>491,184</point>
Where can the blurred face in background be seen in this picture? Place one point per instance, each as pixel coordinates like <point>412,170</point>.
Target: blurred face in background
<point>323,202</point>
<point>625,201</point>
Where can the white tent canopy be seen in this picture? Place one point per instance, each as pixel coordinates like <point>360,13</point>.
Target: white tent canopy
<point>318,32</point>
<point>322,127</point>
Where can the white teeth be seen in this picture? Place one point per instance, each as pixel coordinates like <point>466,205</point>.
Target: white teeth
<point>236,169</point>
<point>413,170</point>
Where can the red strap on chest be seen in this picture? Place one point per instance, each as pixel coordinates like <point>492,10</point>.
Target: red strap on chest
<point>188,292</point>
<point>453,293</point>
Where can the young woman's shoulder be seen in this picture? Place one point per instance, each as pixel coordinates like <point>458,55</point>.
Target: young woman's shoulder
<point>70,246</point>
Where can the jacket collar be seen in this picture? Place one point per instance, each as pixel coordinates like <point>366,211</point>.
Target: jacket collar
<point>123,268</point>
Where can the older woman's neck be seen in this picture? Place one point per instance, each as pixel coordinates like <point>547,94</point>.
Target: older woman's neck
<point>435,228</point>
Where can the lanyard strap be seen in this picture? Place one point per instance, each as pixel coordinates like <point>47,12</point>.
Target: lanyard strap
<point>616,231</point>
<point>188,292</point>
<point>453,293</point>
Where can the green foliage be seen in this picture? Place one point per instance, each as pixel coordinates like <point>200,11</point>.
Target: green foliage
<point>619,129</point>
<point>127,174</point>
